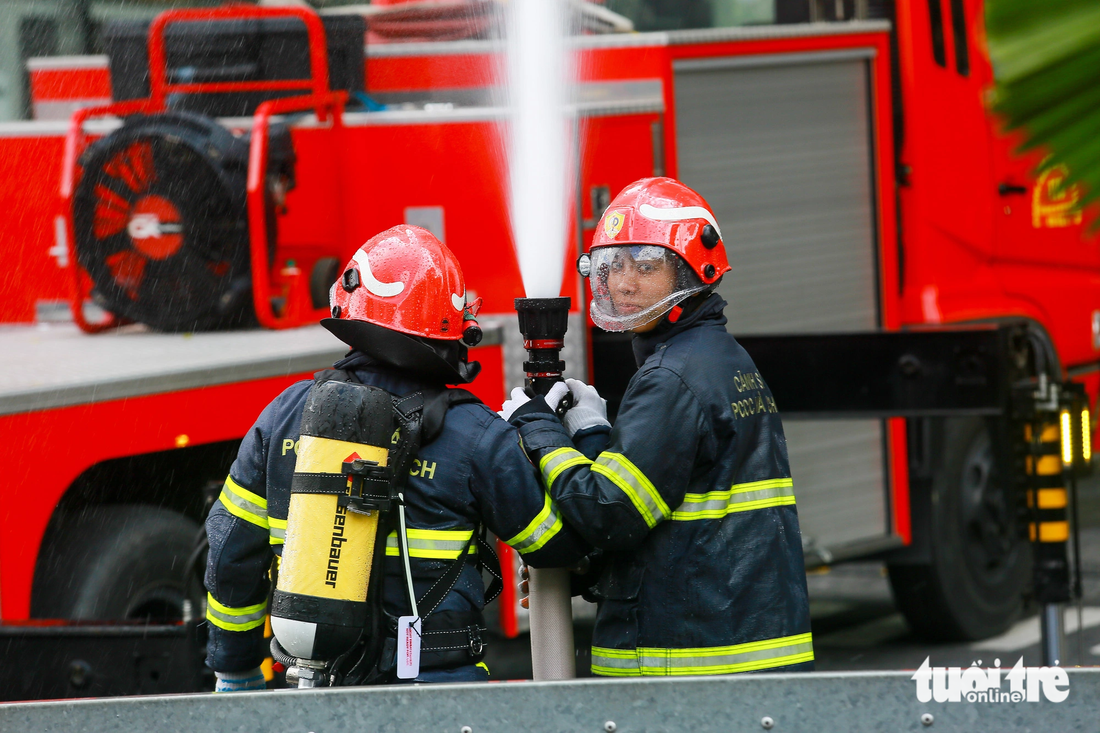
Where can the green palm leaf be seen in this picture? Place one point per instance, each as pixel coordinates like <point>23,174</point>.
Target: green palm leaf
<point>1046,61</point>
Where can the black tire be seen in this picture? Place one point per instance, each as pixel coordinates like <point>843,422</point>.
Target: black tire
<point>974,586</point>
<point>321,279</point>
<point>116,562</point>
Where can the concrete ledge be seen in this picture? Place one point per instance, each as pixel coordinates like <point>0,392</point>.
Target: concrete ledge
<point>818,702</point>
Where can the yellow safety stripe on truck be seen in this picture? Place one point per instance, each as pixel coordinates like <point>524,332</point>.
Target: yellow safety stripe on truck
<point>645,661</point>
<point>433,544</point>
<point>553,463</point>
<point>235,619</point>
<point>541,530</point>
<point>278,530</point>
<point>641,491</point>
<point>738,498</point>
<point>240,502</point>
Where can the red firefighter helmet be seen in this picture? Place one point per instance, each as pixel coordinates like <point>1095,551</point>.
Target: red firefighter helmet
<point>654,223</point>
<point>401,299</point>
<point>666,213</point>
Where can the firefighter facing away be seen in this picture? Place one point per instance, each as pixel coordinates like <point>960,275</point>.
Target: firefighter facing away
<point>689,496</point>
<point>400,304</point>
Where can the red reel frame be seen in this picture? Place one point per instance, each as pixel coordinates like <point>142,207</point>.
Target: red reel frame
<point>320,98</point>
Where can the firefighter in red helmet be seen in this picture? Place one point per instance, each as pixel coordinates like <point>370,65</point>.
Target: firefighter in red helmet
<point>400,305</point>
<point>689,496</point>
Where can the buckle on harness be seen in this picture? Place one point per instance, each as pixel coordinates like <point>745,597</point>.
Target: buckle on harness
<point>363,474</point>
<point>476,644</point>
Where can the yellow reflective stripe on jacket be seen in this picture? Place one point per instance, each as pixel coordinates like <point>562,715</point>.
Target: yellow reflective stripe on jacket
<point>748,657</point>
<point>278,531</point>
<point>240,502</point>
<point>738,498</point>
<point>634,484</point>
<point>235,619</point>
<point>433,544</point>
<point>556,461</point>
<point>540,531</point>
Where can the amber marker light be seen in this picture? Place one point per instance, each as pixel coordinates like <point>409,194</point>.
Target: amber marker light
<point>1086,435</point>
<point>1067,439</point>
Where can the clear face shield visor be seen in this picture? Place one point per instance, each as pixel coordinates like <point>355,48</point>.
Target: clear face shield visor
<point>635,284</point>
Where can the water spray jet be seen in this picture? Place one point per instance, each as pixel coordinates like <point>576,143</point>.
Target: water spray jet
<point>540,74</point>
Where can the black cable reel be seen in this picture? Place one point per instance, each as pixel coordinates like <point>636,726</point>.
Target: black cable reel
<point>161,220</point>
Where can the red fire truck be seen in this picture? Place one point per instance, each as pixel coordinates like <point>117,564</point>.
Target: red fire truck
<point>861,184</point>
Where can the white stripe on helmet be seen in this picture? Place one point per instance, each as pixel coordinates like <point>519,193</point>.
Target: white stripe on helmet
<point>680,213</point>
<point>381,289</point>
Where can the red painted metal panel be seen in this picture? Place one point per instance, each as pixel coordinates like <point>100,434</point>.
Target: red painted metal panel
<point>52,85</point>
<point>489,385</point>
<point>420,73</point>
<point>508,604</point>
<point>898,472</point>
<point>30,169</point>
<point>475,70</point>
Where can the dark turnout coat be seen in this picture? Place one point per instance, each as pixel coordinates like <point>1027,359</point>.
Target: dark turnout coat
<point>691,498</point>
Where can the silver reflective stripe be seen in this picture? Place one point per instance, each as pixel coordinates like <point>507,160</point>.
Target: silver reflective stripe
<point>615,662</point>
<point>540,531</point>
<point>234,619</point>
<point>739,498</point>
<point>634,484</point>
<point>556,461</point>
<point>704,660</point>
<point>432,543</point>
<point>242,503</point>
<point>277,531</point>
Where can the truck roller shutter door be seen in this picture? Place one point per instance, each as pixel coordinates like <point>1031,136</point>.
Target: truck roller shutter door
<point>780,146</point>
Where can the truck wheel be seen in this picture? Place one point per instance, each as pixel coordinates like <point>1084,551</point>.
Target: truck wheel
<point>973,588</point>
<point>116,562</point>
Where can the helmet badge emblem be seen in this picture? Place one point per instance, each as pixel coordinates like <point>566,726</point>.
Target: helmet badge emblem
<point>613,224</point>
<point>373,284</point>
<point>458,301</point>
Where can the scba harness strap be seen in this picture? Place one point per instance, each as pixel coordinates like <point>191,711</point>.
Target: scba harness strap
<point>419,417</point>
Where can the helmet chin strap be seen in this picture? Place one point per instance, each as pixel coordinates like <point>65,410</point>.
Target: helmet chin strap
<point>685,308</point>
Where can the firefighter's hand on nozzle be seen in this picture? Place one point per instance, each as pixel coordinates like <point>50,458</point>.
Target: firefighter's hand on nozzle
<point>518,399</point>
<point>247,681</point>
<point>554,396</point>
<point>588,410</point>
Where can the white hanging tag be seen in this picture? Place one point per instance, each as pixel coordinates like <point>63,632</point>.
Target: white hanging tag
<point>408,647</point>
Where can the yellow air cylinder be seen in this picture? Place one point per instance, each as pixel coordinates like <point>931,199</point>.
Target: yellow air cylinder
<point>320,603</point>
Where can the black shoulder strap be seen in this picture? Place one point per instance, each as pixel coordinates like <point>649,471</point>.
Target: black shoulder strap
<point>487,558</point>
<point>334,375</point>
<point>436,405</point>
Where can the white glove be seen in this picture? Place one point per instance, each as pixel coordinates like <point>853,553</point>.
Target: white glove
<point>520,398</point>
<point>249,680</point>
<point>553,397</point>
<point>588,410</point>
